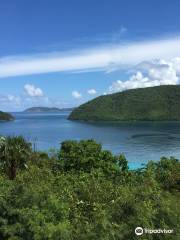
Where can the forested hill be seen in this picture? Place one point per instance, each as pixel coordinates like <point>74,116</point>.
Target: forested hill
<point>143,104</point>
<point>5,116</point>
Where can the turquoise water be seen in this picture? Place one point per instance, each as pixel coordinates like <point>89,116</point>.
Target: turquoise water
<point>139,141</point>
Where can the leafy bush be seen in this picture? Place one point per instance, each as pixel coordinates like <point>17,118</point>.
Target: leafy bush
<point>71,196</point>
<point>87,155</point>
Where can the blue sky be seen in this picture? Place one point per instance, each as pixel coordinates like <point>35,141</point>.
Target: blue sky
<point>63,53</point>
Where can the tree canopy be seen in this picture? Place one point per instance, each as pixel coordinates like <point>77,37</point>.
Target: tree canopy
<point>84,192</point>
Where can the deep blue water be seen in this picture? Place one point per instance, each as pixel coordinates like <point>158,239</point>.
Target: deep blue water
<point>139,141</point>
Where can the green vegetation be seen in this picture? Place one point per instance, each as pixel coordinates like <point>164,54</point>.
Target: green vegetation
<point>5,116</point>
<point>82,192</point>
<point>145,104</point>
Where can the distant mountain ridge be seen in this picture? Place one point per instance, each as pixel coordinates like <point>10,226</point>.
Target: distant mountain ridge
<point>158,103</point>
<point>46,109</point>
<point>5,116</point>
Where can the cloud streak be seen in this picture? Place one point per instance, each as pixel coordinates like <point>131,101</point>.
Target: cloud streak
<point>102,58</point>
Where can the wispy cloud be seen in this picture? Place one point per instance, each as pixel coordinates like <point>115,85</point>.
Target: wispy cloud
<point>102,58</point>
<point>10,99</point>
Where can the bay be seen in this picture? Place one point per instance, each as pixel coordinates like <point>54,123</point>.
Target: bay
<point>139,141</point>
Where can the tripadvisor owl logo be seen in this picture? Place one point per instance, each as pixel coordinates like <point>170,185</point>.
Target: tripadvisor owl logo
<point>139,231</point>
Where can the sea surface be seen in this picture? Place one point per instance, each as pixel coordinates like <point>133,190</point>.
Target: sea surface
<point>139,141</point>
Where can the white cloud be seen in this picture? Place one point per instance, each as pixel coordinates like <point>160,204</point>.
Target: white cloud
<point>76,94</point>
<point>136,81</point>
<point>33,91</point>
<point>98,58</point>
<point>154,73</point>
<point>92,91</point>
<point>176,65</point>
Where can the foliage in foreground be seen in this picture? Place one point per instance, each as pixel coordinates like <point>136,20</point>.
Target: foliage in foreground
<point>84,192</point>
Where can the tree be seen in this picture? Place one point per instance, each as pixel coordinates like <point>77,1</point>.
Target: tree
<point>87,155</point>
<point>167,172</point>
<point>14,154</point>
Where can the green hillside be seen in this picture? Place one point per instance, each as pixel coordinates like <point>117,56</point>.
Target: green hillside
<point>5,116</point>
<point>143,104</point>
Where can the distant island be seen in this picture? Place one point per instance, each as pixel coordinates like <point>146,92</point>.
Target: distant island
<point>161,103</point>
<point>5,116</point>
<point>46,109</point>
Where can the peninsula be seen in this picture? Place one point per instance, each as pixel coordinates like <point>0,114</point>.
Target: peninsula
<point>160,103</point>
<point>46,109</point>
<point>5,116</point>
